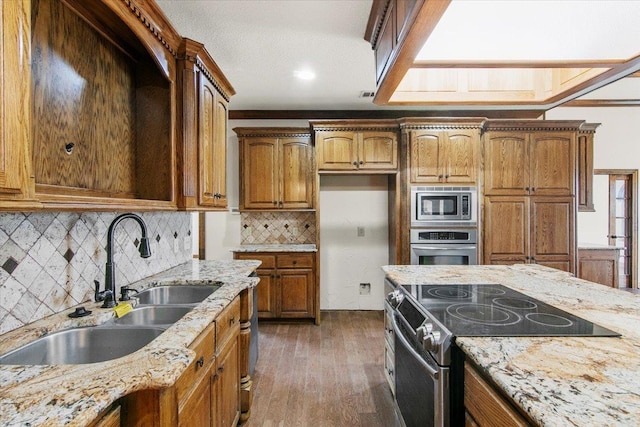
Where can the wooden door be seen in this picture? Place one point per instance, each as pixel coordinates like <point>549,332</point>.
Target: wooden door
<point>220,153</point>
<point>553,163</point>
<point>506,169</point>
<point>297,292</point>
<point>336,150</point>
<point>426,151</point>
<point>296,174</point>
<point>378,151</point>
<point>260,173</point>
<point>206,141</point>
<point>553,232</point>
<point>15,101</point>
<point>623,224</point>
<point>267,295</point>
<point>460,158</point>
<point>506,230</point>
<point>226,385</point>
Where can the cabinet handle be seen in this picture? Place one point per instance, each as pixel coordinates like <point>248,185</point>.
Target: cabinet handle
<point>533,259</point>
<point>281,203</point>
<point>277,276</point>
<point>533,188</point>
<point>527,258</point>
<point>527,189</point>
<point>273,276</point>
<point>275,202</point>
<point>355,163</point>
<point>439,176</point>
<point>232,321</point>
<point>200,362</point>
<point>221,369</point>
<point>294,262</point>
<point>361,162</point>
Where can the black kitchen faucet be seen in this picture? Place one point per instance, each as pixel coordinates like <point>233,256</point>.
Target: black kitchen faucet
<point>109,293</point>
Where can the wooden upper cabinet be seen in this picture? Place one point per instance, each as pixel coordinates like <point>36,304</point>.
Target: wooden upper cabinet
<point>358,145</point>
<point>535,163</point>
<point>204,95</point>
<point>16,183</point>
<point>584,150</point>
<point>276,169</point>
<point>439,156</point>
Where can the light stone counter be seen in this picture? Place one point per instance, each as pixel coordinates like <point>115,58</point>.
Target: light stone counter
<point>276,248</point>
<point>74,395</point>
<point>558,381</point>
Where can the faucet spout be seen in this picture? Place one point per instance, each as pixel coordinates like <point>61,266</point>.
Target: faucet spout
<point>143,248</point>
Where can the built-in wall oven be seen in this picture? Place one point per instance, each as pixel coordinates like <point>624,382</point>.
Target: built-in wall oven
<point>455,246</point>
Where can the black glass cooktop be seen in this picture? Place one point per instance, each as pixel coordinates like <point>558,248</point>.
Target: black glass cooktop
<point>495,310</point>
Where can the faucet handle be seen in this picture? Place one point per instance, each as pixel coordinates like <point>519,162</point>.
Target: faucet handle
<point>107,296</point>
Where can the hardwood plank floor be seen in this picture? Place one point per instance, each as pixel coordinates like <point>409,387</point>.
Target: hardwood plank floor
<point>322,376</point>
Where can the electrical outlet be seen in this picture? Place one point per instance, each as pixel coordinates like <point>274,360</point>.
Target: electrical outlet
<point>365,288</point>
<point>360,231</point>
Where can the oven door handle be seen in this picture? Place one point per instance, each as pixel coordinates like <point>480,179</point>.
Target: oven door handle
<point>439,248</point>
<point>396,330</point>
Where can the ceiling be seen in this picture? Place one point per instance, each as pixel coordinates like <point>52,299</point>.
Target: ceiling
<point>261,45</point>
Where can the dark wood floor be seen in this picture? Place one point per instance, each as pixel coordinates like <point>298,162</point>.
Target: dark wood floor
<point>327,375</point>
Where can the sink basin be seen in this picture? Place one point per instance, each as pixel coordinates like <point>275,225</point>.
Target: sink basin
<point>82,345</point>
<point>176,294</point>
<point>153,315</point>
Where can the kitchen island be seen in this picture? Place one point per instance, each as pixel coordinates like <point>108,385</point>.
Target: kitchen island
<point>76,395</point>
<point>555,381</point>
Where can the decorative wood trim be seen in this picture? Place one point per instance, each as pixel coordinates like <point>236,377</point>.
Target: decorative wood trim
<point>276,132</point>
<point>150,24</point>
<point>377,114</point>
<point>377,15</point>
<point>602,103</point>
<point>444,123</point>
<point>534,125</point>
<point>589,127</point>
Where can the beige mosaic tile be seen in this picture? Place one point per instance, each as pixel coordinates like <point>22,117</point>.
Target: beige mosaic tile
<point>285,227</point>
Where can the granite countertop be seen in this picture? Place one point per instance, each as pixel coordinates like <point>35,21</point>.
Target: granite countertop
<point>74,395</point>
<point>558,381</point>
<point>277,248</point>
<point>597,246</point>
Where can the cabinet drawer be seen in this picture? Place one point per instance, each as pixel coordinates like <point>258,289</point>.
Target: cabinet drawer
<point>227,322</point>
<point>204,348</point>
<point>268,261</point>
<point>295,260</point>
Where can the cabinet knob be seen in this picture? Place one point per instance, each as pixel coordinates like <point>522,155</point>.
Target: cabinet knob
<point>275,202</point>
<point>294,262</point>
<point>221,369</point>
<point>361,162</point>
<point>447,176</point>
<point>355,163</point>
<point>200,362</point>
<point>533,188</point>
<point>526,188</point>
<point>232,321</point>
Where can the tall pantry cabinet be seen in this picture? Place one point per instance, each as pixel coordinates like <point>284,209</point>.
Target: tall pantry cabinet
<point>529,193</point>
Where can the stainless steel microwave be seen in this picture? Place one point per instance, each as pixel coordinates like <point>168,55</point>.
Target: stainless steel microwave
<point>443,206</point>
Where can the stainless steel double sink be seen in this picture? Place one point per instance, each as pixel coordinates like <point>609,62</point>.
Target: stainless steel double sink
<point>158,309</point>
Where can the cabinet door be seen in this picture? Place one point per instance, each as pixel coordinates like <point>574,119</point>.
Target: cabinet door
<point>15,103</point>
<point>460,159</point>
<point>506,230</point>
<point>552,163</point>
<point>267,295</point>
<point>206,141</point>
<point>226,386</point>
<point>552,232</point>
<point>297,292</point>
<point>296,175</point>
<point>220,153</point>
<point>378,151</point>
<point>336,150</point>
<point>260,173</point>
<point>196,410</point>
<point>426,154</point>
<point>506,170</point>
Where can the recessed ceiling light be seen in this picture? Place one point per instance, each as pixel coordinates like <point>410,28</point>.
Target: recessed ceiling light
<point>305,74</point>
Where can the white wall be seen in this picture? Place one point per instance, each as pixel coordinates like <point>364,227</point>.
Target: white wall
<point>346,260</point>
<point>616,146</point>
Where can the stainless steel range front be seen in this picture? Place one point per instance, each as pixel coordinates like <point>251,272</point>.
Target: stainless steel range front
<point>426,320</point>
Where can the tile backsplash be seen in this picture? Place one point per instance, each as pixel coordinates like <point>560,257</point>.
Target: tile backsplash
<point>277,228</point>
<point>49,260</point>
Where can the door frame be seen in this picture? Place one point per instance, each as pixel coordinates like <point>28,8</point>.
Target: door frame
<point>634,216</point>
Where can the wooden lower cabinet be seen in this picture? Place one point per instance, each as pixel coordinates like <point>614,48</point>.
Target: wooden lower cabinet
<point>110,419</point>
<point>196,411</point>
<point>599,265</point>
<point>225,390</point>
<point>287,288</point>
<point>530,229</point>
<point>485,406</point>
